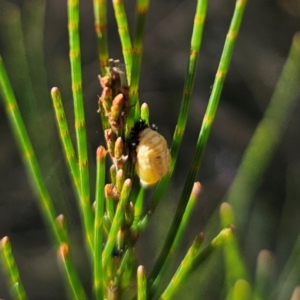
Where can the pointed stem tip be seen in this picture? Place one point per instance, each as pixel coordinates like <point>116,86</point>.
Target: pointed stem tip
<point>101,152</point>
<point>54,91</point>
<point>197,188</point>
<point>64,250</point>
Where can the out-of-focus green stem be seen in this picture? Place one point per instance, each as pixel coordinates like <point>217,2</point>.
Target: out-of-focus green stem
<point>185,219</point>
<point>73,18</point>
<point>14,54</point>
<point>101,32</point>
<point>242,290</point>
<point>235,268</point>
<point>265,275</point>
<point>12,272</point>
<point>266,137</point>
<point>98,227</point>
<point>33,22</point>
<point>181,272</point>
<point>27,153</point>
<point>204,132</point>
<point>124,36</point>
<point>30,161</point>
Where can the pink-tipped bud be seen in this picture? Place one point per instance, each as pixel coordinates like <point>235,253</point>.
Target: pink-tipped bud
<point>54,91</point>
<point>108,190</point>
<point>196,189</point>
<point>141,270</point>
<point>64,249</point>
<point>101,152</point>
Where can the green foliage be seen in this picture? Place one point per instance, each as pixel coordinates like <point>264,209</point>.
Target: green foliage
<point>112,226</point>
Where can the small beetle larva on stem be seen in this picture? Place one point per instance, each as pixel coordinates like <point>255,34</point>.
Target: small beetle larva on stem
<point>153,157</point>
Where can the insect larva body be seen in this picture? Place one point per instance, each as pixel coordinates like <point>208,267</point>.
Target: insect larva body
<point>152,153</point>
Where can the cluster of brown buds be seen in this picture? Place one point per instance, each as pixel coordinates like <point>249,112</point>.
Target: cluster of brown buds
<point>114,106</point>
<point>114,103</point>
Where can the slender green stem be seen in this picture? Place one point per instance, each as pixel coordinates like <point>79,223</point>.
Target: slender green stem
<point>235,266</point>
<point>185,219</point>
<point>65,258</point>
<point>73,17</point>
<point>266,137</point>
<point>68,266</point>
<point>265,275</point>
<point>98,227</point>
<point>142,283</point>
<point>27,153</point>
<point>14,55</point>
<point>66,139</point>
<point>61,227</point>
<point>137,50</point>
<point>109,201</point>
<point>30,161</point>
<point>182,270</point>
<point>33,22</point>
<point>185,103</point>
<point>145,112</point>
<point>216,243</point>
<point>138,208</point>
<point>128,254</point>
<point>101,32</point>
<point>204,132</point>
<point>12,272</point>
<point>124,36</point>
<point>242,290</point>
<point>117,221</point>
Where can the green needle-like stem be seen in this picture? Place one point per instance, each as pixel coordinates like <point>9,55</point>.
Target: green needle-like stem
<point>242,290</point>
<point>65,138</point>
<point>27,153</point>
<point>204,133</point>
<point>183,269</point>
<point>65,258</point>
<point>266,137</point>
<point>137,50</point>
<point>117,222</point>
<point>11,270</point>
<point>138,208</point>
<point>185,219</point>
<point>98,229</point>
<point>142,283</point>
<point>30,161</point>
<point>73,18</point>
<point>101,32</point>
<point>265,275</point>
<point>235,266</point>
<point>215,244</point>
<point>124,36</point>
<point>145,112</point>
<point>185,103</point>
<point>68,266</point>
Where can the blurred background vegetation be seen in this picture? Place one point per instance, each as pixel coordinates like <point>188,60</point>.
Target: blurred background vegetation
<point>36,31</point>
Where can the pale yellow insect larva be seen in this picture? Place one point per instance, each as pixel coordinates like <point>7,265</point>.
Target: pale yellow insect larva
<point>153,157</point>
